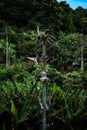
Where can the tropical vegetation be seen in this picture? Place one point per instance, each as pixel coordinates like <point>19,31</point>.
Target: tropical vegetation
<point>66,66</point>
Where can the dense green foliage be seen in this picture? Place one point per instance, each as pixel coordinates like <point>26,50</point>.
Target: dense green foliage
<point>49,14</point>
<point>21,95</point>
<point>20,85</point>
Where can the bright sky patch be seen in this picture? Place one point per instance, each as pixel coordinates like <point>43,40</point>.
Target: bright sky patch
<point>76,3</point>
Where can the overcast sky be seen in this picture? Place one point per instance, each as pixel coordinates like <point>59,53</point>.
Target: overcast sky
<point>75,3</point>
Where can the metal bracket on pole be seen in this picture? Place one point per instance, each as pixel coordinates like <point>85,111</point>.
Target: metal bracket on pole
<point>44,77</point>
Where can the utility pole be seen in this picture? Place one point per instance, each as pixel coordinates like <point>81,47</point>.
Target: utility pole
<point>82,59</point>
<point>43,79</point>
<point>43,39</point>
<point>7,51</point>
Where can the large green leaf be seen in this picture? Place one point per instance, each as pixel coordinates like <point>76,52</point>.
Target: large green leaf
<point>14,110</point>
<point>23,114</point>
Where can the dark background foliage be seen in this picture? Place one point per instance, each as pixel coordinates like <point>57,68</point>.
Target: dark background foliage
<point>20,86</point>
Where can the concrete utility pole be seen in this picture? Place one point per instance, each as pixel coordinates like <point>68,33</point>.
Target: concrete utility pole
<point>7,51</point>
<point>44,79</point>
<point>82,59</point>
<point>43,39</point>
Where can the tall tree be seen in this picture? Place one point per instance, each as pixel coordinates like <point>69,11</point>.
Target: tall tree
<point>79,19</point>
